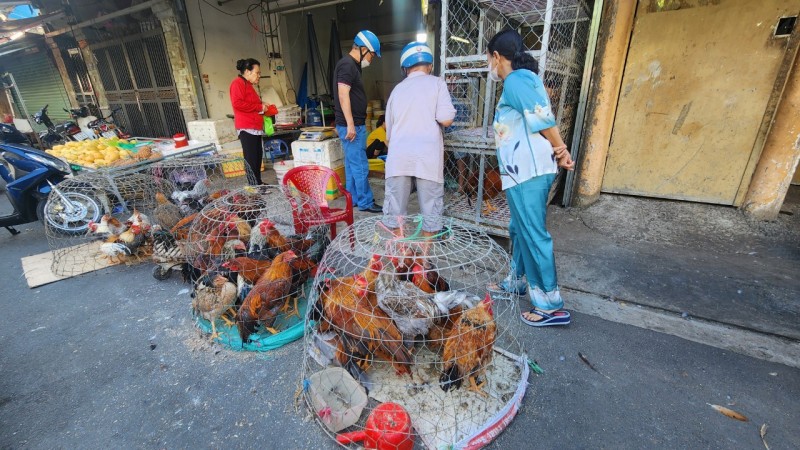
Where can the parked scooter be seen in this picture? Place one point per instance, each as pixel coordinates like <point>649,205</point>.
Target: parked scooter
<point>94,127</point>
<point>56,134</point>
<point>109,128</point>
<point>9,134</point>
<point>30,176</point>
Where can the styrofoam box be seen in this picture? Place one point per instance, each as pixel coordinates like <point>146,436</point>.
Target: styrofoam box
<point>326,153</point>
<point>218,131</point>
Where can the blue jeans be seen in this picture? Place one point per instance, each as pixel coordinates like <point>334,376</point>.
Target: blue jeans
<point>533,246</point>
<point>356,166</point>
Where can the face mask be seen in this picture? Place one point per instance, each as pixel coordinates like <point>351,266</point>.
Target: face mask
<point>493,74</point>
<point>364,61</point>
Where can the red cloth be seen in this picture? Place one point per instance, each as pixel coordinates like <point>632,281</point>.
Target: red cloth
<point>247,106</point>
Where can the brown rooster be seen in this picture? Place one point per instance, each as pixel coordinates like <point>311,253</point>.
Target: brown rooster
<point>265,299</point>
<point>249,269</point>
<point>428,280</point>
<point>492,186</point>
<point>365,329</point>
<point>236,227</point>
<point>166,214</point>
<point>278,242</point>
<point>468,348</point>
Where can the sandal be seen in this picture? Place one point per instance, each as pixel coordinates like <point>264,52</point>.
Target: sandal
<point>560,317</point>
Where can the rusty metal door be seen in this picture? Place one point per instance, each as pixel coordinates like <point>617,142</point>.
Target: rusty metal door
<point>697,83</point>
<point>137,76</point>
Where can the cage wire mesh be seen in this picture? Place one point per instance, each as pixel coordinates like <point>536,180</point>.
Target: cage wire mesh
<point>189,185</point>
<point>98,219</point>
<point>400,316</point>
<point>556,34</point>
<point>251,256</point>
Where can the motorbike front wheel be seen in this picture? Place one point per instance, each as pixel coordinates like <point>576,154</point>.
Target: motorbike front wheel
<point>64,220</point>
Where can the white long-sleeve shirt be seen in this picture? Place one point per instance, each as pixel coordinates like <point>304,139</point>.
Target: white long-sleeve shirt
<point>413,112</point>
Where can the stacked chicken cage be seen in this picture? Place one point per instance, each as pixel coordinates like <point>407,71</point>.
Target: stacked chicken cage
<point>409,340</point>
<point>190,185</point>
<point>556,33</point>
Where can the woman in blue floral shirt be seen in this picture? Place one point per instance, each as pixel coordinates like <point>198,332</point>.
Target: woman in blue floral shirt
<point>529,152</point>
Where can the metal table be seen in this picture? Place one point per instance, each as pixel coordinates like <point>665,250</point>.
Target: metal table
<point>110,174</point>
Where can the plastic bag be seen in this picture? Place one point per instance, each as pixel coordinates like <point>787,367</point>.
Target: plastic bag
<point>269,129</point>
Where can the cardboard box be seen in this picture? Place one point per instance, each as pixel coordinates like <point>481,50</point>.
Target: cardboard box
<point>328,153</point>
<point>217,131</point>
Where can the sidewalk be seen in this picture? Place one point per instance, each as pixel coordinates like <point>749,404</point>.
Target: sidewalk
<point>700,261</point>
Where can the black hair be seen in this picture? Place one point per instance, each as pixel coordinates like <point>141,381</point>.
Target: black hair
<point>381,119</point>
<point>246,64</point>
<point>509,44</point>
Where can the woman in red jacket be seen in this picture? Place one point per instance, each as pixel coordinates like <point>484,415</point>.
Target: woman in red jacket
<point>248,113</point>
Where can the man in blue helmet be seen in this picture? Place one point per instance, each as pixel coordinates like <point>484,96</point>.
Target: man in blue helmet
<point>416,112</point>
<point>350,109</point>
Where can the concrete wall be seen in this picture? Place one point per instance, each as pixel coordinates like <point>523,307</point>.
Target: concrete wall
<point>219,41</point>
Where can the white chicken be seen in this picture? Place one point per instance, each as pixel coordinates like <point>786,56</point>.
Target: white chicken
<point>199,191</point>
<point>140,220</point>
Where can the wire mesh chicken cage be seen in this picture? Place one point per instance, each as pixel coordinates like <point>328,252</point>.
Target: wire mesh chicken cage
<point>189,185</point>
<point>94,221</point>
<point>404,317</point>
<point>556,34</point>
<point>251,257</point>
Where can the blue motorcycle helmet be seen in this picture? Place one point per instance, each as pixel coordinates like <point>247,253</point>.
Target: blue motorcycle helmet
<point>366,38</point>
<point>415,53</point>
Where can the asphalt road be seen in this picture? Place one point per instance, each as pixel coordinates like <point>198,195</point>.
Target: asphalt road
<point>113,359</point>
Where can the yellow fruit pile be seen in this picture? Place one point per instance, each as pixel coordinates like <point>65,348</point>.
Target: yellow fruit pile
<point>96,153</point>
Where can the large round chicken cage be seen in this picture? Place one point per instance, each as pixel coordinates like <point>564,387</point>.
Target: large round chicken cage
<point>251,256</point>
<point>407,322</point>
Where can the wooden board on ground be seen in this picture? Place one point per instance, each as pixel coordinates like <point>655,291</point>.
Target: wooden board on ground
<point>38,272</point>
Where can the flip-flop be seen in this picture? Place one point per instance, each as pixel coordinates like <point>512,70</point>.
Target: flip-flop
<point>560,317</point>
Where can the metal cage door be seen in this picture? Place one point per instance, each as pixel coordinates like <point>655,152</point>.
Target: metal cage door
<point>137,76</point>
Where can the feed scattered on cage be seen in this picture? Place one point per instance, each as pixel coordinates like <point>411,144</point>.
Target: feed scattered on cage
<point>251,255</point>
<point>410,318</point>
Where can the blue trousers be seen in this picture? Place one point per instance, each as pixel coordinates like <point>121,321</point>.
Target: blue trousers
<point>533,246</point>
<point>356,166</point>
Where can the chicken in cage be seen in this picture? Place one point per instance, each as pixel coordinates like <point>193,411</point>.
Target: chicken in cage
<point>404,317</point>
<point>95,220</point>
<point>251,256</point>
<point>189,185</point>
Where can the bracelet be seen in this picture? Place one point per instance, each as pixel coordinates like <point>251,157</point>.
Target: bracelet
<point>560,147</point>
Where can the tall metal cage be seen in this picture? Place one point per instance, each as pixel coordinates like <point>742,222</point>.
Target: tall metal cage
<point>556,33</point>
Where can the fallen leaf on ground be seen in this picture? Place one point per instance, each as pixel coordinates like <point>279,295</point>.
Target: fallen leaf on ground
<point>729,412</point>
<point>763,433</point>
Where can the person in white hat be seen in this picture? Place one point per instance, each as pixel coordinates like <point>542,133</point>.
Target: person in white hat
<point>417,110</point>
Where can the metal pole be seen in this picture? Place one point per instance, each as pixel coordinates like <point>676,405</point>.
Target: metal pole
<point>443,38</point>
<point>581,111</point>
<point>548,18</point>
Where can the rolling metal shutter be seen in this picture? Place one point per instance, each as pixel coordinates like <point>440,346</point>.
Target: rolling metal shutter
<point>39,84</point>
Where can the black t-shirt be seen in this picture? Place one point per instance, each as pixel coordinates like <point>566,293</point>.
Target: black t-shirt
<point>348,72</point>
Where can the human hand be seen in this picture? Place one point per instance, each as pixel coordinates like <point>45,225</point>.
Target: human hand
<point>560,151</point>
<point>565,161</point>
<point>351,133</point>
